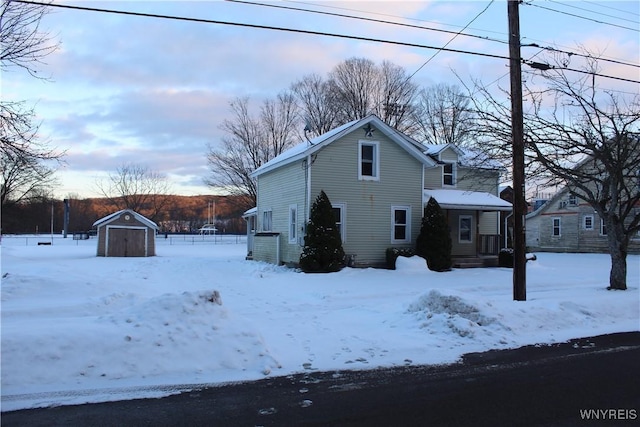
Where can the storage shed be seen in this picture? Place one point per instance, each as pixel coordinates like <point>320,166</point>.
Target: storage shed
<point>126,234</point>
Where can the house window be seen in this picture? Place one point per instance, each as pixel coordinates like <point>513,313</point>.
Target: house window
<point>555,227</point>
<point>267,217</point>
<point>400,224</point>
<point>465,229</point>
<point>368,160</point>
<point>293,223</point>
<point>573,200</point>
<point>339,212</point>
<point>449,174</point>
<point>587,222</point>
<point>603,228</point>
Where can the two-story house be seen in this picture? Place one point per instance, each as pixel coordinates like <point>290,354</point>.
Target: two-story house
<point>379,181</point>
<point>565,223</point>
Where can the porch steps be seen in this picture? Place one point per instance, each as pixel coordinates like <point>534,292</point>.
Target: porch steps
<point>475,262</point>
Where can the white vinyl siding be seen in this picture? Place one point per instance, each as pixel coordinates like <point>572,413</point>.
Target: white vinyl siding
<point>367,226</point>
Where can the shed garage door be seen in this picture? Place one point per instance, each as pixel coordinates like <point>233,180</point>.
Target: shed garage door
<point>124,242</point>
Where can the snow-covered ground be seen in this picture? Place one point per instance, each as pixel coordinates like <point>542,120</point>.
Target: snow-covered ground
<point>79,328</point>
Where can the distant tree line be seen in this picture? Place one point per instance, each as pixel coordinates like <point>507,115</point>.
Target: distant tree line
<point>182,214</point>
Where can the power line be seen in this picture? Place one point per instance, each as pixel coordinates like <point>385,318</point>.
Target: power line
<point>290,30</point>
<point>591,11</point>
<point>529,3</point>
<point>341,15</point>
<point>458,33</point>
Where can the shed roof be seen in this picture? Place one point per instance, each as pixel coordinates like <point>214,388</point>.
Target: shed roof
<point>474,200</point>
<point>137,216</point>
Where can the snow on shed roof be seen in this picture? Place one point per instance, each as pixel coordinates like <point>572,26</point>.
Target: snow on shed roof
<point>461,199</point>
<point>139,217</point>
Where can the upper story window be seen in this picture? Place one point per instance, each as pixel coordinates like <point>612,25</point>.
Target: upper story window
<point>449,174</point>
<point>573,200</point>
<point>368,160</point>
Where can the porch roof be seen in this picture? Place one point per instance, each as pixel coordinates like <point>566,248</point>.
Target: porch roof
<point>471,200</point>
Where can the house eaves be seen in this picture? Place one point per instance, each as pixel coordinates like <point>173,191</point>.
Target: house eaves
<point>306,148</point>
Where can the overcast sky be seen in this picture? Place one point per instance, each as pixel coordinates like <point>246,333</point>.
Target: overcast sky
<point>151,91</point>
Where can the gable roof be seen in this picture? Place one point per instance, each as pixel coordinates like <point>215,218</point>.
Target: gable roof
<point>306,148</point>
<point>136,215</point>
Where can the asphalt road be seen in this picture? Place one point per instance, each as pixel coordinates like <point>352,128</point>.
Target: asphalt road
<point>555,385</point>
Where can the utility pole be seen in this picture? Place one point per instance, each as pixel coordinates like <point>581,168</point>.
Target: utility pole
<point>517,144</point>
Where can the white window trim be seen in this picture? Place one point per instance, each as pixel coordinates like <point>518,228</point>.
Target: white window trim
<point>454,174</point>
<point>263,222</point>
<point>602,227</point>
<point>573,200</point>
<point>293,223</point>
<point>460,218</point>
<point>407,209</point>
<point>553,227</point>
<point>376,161</point>
<point>343,219</point>
<point>584,222</point>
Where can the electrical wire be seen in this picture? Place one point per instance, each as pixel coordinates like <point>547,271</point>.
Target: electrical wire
<point>291,30</point>
<point>529,3</point>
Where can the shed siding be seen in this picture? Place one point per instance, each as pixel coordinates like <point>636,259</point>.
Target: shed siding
<point>367,202</point>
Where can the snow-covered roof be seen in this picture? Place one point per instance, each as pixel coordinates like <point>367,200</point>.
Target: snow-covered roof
<point>462,199</point>
<point>114,215</point>
<point>306,148</point>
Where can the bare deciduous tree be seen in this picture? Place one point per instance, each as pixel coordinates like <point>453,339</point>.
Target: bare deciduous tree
<point>316,104</point>
<point>22,45</point>
<point>137,188</point>
<point>250,143</point>
<point>358,88</point>
<point>22,42</point>
<point>23,178</point>
<point>583,138</point>
<point>443,116</point>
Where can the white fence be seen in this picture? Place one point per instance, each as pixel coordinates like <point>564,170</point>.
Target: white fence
<point>161,239</point>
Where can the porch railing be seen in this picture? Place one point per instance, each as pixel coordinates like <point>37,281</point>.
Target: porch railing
<point>488,244</point>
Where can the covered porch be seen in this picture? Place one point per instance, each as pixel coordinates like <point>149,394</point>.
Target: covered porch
<point>474,223</point>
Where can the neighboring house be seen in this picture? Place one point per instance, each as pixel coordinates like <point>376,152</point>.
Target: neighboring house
<point>126,234</point>
<point>379,181</point>
<point>565,223</point>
